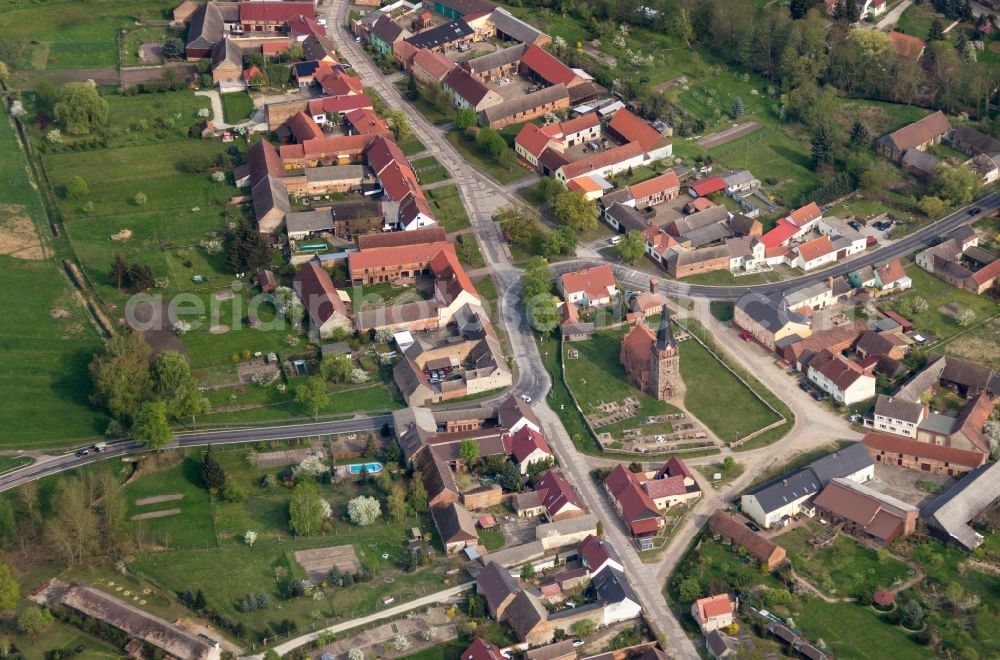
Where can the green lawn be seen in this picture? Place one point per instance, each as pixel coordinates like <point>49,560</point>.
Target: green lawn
<point>485,163</point>
<point>411,145</point>
<point>446,651</point>
<point>236,107</point>
<point>425,107</point>
<point>429,170</point>
<point>843,569</point>
<point>939,293</point>
<point>138,36</point>
<point>597,376</point>
<point>60,637</point>
<point>492,539</point>
<point>467,248</point>
<point>728,473</point>
<point>707,384</point>
<point>48,343</point>
<point>194,525</point>
<point>448,208</point>
<point>916,20</point>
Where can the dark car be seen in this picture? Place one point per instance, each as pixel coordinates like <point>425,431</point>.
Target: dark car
<point>82,452</point>
<point>818,396</point>
<point>804,386</point>
<point>974,211</point>
<point>753,526</point>
<point>855,225</point>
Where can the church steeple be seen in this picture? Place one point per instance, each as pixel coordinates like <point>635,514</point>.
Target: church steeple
<point>665,334</point>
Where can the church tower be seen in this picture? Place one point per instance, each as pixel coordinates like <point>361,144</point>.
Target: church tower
<point>664,362</point>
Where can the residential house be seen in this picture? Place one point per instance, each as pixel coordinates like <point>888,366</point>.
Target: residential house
<point>468,91</point>
<point>606,163</point>
<point>769,319</point>
<point>892,277</point>
<point>384,33</point>
<point>455,527</point>
<point>398,263</point>
<point>962,264</point>
<point>589,287</point>
<point>774,503</point>
<point>814,253</point>
<point>532,140</point>
<point>634,505</point>
<point>525,108</point>
<point>657,190</point>
<point>950,515</point>
<point>624,218</point>
<point>845,381</point>
<point>581,129</point>
<point>529,619</point>
<point>874,344</point>
<point>769,554</point>
<point>865,511</point>
<point>627,127</point>
<point>919,135</point>
<point>558,497</point>
<point>898,416</point>
<point>597,554</point>
<point>715,612</point>
<point>430,67</point>
<point>836,340</point>
<point>527,446</point>
<point>619,601</point>
<point>568,531</point>
<point>497,587</point>
<point>442,38</point>
<point>916,455</point>
<point>451,370</point>
<point>480,649</point>
<point>326,309</point>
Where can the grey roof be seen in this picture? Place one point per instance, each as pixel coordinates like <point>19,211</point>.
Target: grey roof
<point>970,374</point>
<point>952,511</point>
<point>270,193</point>
<point>495,584</point>
<point>526,102</point>
<point>206,27</point>
<point>524,614</point>
<point>335,173</point>
<point>799,296</point>
<point>387,31</point>
<point>705,235</point>
<point>852,458</point>
<point>711,215</point>
<point>972,141</point>
<point>569,526</point>
<point>561,649</point>
<point>611,586</point>
<point>737,177</point>
<point>454,523</point>
<point>938,423</point>
<point>896,408</point>
<point>620,196</point>
<point>227,52</point>
<point>717,643</point>
<point>528,500</point>
<point>627,217</point>
<point>518,554</point>
<point>741,224</point>
<point>770,313</point>
<point>514,27</point>
<point>924,380</point>
<point>740,247</point>
<point>873,343</point>
<point>496,59</point>
<point>921,160</point>
<point>980,255</point>
<point>442,34</point>
<point>308,222</point>
<point>783,490</point>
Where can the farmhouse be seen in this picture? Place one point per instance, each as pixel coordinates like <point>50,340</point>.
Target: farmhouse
<point>455,526</point>
<point>950,516</point>
<point>845,381</point>
<point>962,264</point>
<point>589,287</point>
<point>919,135</point>
<point>468,91</point>
<point>916,455</point>
<point>558,497</point>
<point>327,311</point>
<point>769,554</point>
<point>430,67</point>
<point>527,446</point>
<point>714,612</point>
<point>769,319</point>
<point>526,107</point>
<point>865,511</point>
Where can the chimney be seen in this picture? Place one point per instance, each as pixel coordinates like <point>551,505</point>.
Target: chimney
<point>652,285</point>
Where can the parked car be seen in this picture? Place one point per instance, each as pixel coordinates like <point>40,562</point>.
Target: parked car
<point>577,643</point>
<point>525,398</point>
<point>745,336</point>
<point>753,526</point>
<point>854,419</point>
<point>804,386</point>
<point>615,240</point>
<point>357,40</point>
<point>818,396</point>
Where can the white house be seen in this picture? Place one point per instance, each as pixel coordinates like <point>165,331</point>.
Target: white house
<point>815,296</point>
<point>843,380</point>
<point>814,253</point>
<point>897,416</point>
<point>615,593</point>
<point>527,446</point>
<point>714,612</point>
<point>596,554</point>
<point>589,287</point>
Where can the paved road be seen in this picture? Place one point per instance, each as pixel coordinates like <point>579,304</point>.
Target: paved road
<point>47,465</point>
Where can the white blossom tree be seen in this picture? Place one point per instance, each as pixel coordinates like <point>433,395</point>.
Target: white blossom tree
<point>250,537</point>
<point>364,510</point>
<point>358,376</point>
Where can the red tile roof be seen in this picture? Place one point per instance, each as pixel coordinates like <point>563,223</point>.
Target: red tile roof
<point>708,186</point>
<point>782,232</point>
<point>332,104</point>
<point>248,74</point>
<point>555,492</point>
<point>816,248</point>
<point>893,444</point>
<point>805,214</point>
<point>395,255</point>
<point>664,182</point>
<point>335,83</point>
<point>436,64</point>
<point>399,182</point>
<point>274,47</point>
<point>593,282</point>
<point>365,121</point>
<point>382,152</point>
<point>534,139</point>
<point>637,507</point>
<point>466,85</point>
<point>891,272</point>
<point>301,25</point>
<point>595,162</point>
<point>919,132</point>
<point>668,487</point>
<point>633,129</point>
<point>398,238</point>
<point>315,287</point>
<point>581,123</point>
<point>713,606</point>
<point>701,203</point>
<point>584,184</point>
<point>547,66</point>
<point>525,441</point>
<point>303,127</point>
<point>274,12</point>
<point>449,273</point>
<point>674,467</point>
<point>987,273</point>
<point>595,551</point>
<point>481,650</point>
<point>334,145</point>
<point>839,370</point>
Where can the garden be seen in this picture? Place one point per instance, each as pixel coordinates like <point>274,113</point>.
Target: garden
<point>933,305</point>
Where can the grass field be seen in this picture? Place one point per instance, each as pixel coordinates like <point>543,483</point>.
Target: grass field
<point>236,107</point>
<point>843,569</point>
<point>136,37</point>
<point>48,343</point>
<point>448,209</point>
<point>708,383</point>
<point>194,525</point>
<point>482,161</point>
<point>939,293</point>
<point>981,345</point>
<point>467,248</point>
<point>429,170</point>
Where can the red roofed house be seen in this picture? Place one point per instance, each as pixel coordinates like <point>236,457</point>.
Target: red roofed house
<point>414,213</point>
<point>627,127</point>
<point>429,66</point>
<point>527,446</point>
<point>382,152</point>
<point>892,277</point>
<point>673,484</point>
<point>596,554</point>
<point>481,650</point>
<point>558,497</point>
<point>538,65</point>
<point>364,121</point>
<point>300,27</point>
<point>814,253</point>
<point>919,135</point>
<point>272,16</point>
<point>906,45</point>
<point>915,455</point>
<point>590,287</point>
<point>453,289</point>
<point>655,191</point>
<point>531,141</point>
<point>335,83</point>
<point>327,312</point>
<point>714,612</point>
<point>783,232</point>
<point>399,263</point>
<point>399,182</point>
<point>633,503</point>
<point>805,217</point>
<point>587,185</point>
<point>705,187</point>
<point>842,379</point>
<point>469,91</point>
<point>581,129</point>
<point>302,127</point>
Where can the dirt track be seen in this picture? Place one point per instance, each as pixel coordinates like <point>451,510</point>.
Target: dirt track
<point>728,134</point>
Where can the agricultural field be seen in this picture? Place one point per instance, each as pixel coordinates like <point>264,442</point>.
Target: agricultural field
<point>48,343</point>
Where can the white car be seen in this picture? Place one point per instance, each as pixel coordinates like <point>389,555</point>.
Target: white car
<point>525,398</point>
<point>577,643</point>
<point>357,40</point>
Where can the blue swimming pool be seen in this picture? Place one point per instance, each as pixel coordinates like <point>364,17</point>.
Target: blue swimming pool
<point>372,468</point>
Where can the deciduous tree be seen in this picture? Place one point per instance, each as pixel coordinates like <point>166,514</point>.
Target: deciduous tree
<point>574,210</point>
<point>396,503</point>
<point>77,188</point>
<point>305,509</point>
<point>80,109</point>
<point>363,510</point>
<point>121,375</point>
<point>213,475</point>
<point>336,367</point>
<point>33,621</point>
<point>312,395</point>
<point>631,248</point>
<point>150,425</point>
<point>10,592</point>
<point>468,451</point>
